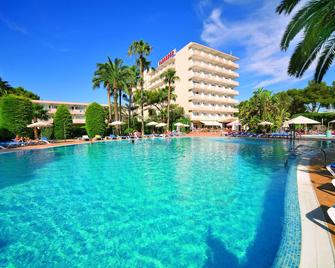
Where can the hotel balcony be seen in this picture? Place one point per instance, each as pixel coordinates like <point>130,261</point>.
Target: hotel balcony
<point>203,56</point>
<point>222,119</point>
<point>216,90</point>
<point>73,112</point>
<point>212,99</point>
<point>154,75</point>
<point>201,66</point>
<point>213,80</point>
<point>203,108</point>
<point>157,84</point>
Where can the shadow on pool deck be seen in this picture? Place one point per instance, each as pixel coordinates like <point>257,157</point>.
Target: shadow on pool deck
<point>319,216</point>
<point>327,188</point>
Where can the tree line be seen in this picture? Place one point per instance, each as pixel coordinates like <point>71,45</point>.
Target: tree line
<point>279,107</point>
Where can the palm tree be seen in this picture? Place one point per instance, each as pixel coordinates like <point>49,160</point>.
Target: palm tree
<point>4,87</point>
<point>316,20</point>
<point>113,75</point>
<point>169,77</point>
<point>141,49</point>
<point>132,82</point>
<point>101,76</point>
<point>39,113</point>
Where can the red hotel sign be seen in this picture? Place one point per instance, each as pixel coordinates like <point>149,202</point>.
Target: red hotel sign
<point>168,56</point>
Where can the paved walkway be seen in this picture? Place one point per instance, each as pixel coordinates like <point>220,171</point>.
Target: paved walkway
<point>317,248</point>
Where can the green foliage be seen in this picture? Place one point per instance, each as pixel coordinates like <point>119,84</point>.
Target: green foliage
<point>263,106</point>
<point>113,75</point>
<point>63,125</point>
<point>7,89</point>
<point>296,101</point>
<point>185,121</point>
<point>39,113</point>
<point>48,132</point>
<point>6,135</point>
<point>79,131</point>
<point>128,130</point>
<point>141,50</point>
<point>314,21</point>
<point>15,114</point>
<point>95,120</point>
<point>155,98</point>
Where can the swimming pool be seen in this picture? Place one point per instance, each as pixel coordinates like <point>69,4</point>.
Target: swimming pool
<point>190,202</point>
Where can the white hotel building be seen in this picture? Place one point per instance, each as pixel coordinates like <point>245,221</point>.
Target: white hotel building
<point>77,109</point>
<point>206,88</point>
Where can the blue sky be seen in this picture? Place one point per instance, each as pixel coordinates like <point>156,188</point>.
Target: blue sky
<point>52,47</point>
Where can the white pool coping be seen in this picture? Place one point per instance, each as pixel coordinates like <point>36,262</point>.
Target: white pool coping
<point>317,249</point>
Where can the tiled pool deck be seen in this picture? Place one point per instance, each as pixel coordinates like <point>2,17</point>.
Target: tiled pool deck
<point>317,249</point>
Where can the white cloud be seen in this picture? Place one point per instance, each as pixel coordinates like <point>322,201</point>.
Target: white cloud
<point>12,25</point>
<point>259,36</point>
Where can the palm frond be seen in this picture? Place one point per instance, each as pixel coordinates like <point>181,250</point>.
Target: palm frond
<point>286,6</point>
<point>326,59</point>
<point>313,11</point>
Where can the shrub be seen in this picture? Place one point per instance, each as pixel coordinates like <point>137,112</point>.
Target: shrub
<point>79,130</point>
<point>95,120</point>
<point>16,113</point>
<point>6,135</point>
<point>63,124</point>
<point>48,132</point>
<point>129,130</point>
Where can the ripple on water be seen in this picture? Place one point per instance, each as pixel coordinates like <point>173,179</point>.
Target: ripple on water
<point>178,203</point>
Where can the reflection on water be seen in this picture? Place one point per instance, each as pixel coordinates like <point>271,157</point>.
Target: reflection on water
<point>173,203</point>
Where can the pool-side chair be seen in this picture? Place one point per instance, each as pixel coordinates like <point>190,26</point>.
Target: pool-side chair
<point>85,138</point>
<point>331,168</point>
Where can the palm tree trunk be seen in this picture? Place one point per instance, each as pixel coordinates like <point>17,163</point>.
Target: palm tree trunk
<point>35,133</point>
<point>142,109</point>
<point>129,106</point>
<point>115,104</point>
<point>109,103</point>
<point>120,107</point>
<point>168,108</point>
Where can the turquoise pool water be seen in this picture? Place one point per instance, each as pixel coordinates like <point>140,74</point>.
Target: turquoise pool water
<point>191,202</point>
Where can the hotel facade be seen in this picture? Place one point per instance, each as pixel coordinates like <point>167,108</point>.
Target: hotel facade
<point>206,88</point>
<point>76,109</point>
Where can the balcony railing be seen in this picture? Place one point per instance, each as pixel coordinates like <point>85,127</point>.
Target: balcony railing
<point>52,111</point>
<point>217,90</point>
<point>200,65</point>
<point>223,119</point>
<point>213,109</point>
<point>212,79</point>
<point>212,99</point>
<point>211,58</point>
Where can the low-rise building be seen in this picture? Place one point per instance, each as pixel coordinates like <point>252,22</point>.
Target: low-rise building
<point>77,109</point>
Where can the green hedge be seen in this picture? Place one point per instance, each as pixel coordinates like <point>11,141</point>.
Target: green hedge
<point>16,113</point>
<point>95,120</point>
<point>48,132</point>
<point>6,135</point>
<point>63,124</point>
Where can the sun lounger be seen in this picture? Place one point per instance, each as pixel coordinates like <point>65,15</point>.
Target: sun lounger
<point>330,168</point>
<point>97,137</point>
<point>331,213</point>
<point>85,138</point>
<point>45,140</point>
<point>112,137</point>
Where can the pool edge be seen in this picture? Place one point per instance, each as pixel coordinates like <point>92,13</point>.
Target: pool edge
<point>317,249</point>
